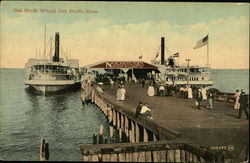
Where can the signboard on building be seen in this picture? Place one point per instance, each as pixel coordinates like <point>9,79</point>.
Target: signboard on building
<point>124,65</point>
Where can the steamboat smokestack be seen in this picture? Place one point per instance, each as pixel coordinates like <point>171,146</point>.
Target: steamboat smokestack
<point>162,51</point>
<point>56,56</point>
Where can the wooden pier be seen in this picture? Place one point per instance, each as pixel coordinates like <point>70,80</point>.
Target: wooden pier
<point>174,120</point>
<point>160,151</point>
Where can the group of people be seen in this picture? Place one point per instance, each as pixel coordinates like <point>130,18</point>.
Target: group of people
<point>204,96</point>
<point>241,103</point>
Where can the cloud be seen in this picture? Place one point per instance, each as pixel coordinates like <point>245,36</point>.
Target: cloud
<point>99,39</point>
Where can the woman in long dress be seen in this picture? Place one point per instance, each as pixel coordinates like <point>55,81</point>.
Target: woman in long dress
<point>151,90</point>
<point>118,94</point>
<point>190,93</point>
<point>237,97</point>
<point>123,93</point>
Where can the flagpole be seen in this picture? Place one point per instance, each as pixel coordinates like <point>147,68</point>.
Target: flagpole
<point>208,50</point>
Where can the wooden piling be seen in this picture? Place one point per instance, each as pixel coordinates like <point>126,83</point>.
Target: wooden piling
<point>111,131</point>
<point>113,157</point>
<point>137,133</point>
<point>106,157</point>
<point>170,156</point>
<point>148,157</point>
<point>129,157</point>
<point>156,156</point>
<point>183,157</point>
<point>177,155</point>
<point>114,117</point>
<point>133,132</point>
<point>120,134</point>
<point>44,150</point>
<point>141,156</point>
<point>126,126</point>
<point>94,139</point>
<point>122,121</point>
<point>135,156</point>
<point>145,135</point>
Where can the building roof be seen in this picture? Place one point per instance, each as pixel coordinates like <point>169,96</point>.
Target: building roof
<point>123,64</point>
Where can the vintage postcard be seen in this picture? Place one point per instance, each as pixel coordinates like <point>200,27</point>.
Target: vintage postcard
<point>124,81</point>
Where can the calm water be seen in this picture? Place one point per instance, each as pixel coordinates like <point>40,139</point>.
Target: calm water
<point>62,119</point>
<point>230,80</point>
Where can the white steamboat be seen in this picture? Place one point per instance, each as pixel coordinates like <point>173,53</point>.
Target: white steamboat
<point>54,74</point>
<point>175,74</point>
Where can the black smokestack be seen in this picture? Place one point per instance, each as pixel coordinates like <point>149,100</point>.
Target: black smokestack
<point>56,56</point>
<point>162,51</point>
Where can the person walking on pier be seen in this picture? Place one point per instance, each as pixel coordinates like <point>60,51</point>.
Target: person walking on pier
<point>181,91</point>
<point>243,104</point>
<point>123,93</point>
<point>118,94</point>
<point>111,84</point>
<point>143,83</point>
<point>204,93</point>
<point>161,90</point>
<point>237,97</point>
<point>199,99</point>
<point>190,93</point>
<point>151,90</point>
<point>210,100</point>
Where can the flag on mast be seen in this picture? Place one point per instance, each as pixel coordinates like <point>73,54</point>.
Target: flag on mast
<point>176,55</point>
<point>156,55</point>
<point>201,42</point>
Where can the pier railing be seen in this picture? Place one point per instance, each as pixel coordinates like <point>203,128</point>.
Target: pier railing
<point>160,151</point>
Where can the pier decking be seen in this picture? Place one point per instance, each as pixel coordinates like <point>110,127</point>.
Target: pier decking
<point>204,126</point>
<point>217,129</point>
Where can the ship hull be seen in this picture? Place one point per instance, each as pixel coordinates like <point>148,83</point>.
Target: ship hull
<point>56,87</point>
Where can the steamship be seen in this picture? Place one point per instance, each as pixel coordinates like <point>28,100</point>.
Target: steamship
<point>54,74</point>
<point>174,74</point>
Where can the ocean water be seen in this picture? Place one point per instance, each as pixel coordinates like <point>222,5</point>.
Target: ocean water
<point>230,80</point>
<point>62,119</point>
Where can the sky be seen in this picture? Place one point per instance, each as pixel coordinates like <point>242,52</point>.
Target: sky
<point>125,31</point>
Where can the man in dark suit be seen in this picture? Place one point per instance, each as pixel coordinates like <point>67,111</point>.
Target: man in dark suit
<point>199,99</point>
<point>138,109</point>
<point>243,104</point>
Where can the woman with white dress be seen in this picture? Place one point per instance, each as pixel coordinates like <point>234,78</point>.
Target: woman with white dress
<point>151,90</point>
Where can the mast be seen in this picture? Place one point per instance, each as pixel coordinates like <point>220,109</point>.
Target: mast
<point>188,60</point>
<point>50,48</point>
<point>162,51</point>
<point>44,50</point>
<point>207,50</point>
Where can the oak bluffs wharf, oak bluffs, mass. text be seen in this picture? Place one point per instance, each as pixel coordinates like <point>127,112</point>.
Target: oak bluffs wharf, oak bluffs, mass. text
<point>55,11</point>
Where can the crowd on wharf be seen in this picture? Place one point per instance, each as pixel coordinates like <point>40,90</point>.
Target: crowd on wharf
<point>161,89</point>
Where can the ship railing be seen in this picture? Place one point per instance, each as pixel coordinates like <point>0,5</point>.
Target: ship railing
<point>58,76</point>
